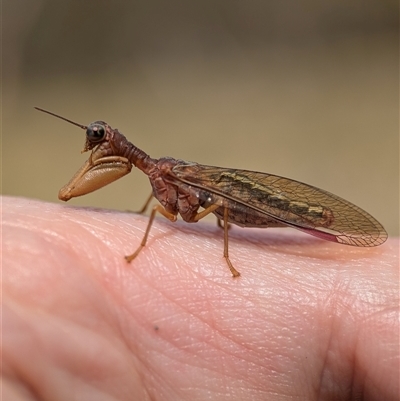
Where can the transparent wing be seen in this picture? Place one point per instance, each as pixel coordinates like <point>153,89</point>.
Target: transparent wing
<point>307,208</point>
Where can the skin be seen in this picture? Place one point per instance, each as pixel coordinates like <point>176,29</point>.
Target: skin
<point>307,319</point>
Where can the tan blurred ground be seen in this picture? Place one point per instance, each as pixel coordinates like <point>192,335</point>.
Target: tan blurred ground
<point>306,90</point>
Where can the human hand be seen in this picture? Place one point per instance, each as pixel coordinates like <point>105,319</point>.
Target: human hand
<point>307,320</point>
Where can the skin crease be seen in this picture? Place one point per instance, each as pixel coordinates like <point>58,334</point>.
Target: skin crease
<point>307,319</point>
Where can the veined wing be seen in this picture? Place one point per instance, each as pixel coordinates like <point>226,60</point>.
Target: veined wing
<point>307,208</point>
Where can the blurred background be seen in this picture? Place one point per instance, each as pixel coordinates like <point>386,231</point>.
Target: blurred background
<point>302,89</point>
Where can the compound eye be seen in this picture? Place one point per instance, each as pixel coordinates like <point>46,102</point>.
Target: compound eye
<point>95,132</point>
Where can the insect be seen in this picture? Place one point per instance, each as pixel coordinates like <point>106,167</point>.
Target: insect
<point>241,197</point>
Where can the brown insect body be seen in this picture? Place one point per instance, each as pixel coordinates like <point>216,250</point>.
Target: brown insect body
<point>116,152</point>
<point>245,198</point>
